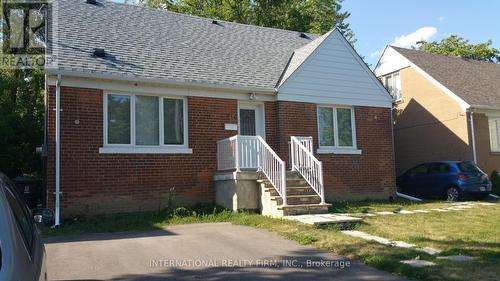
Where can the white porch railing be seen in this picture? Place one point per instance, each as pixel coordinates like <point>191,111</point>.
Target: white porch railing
<point>252,152</point>
<point>304,162</point>
<point>227,156</point>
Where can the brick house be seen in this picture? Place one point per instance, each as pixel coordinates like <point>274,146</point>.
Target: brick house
<point>447,108</point>
<point>145,104</point>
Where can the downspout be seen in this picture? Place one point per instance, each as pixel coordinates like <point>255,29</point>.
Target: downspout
<point>58,151</point>
<point>473,137</point>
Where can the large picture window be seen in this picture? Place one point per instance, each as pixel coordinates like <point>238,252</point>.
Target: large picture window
<point>494,125</point>
<point>336,127</point>
<point>145,121</point>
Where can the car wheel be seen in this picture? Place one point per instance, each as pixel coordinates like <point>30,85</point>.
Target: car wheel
<point>452,194</point>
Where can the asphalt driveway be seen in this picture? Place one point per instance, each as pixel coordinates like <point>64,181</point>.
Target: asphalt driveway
<point>218,251</point>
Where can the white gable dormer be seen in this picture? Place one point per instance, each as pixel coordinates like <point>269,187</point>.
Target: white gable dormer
<point>329,71</point>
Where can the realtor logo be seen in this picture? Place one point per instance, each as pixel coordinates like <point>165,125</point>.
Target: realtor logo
<point>24,33</point>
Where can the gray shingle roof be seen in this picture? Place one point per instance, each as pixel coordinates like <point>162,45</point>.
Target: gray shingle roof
<point>476,82</point>
<point>156,45</point>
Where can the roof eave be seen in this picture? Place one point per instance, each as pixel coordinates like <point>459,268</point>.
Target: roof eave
<point>173,82</point>
<point>478,107</point>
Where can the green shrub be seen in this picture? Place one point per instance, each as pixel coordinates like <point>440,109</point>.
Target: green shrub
<point>181,212</point>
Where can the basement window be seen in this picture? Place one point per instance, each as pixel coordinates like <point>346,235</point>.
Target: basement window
<point>336,130</point>
<point>144,124</point>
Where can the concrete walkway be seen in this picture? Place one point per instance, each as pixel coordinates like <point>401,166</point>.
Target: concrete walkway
<point>319,219</point>
<point>393,243</point>
<point>218,251</point>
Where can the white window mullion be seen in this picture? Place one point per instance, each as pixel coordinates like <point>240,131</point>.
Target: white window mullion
<point>132,120</point>
<point>335,128</point>
<point>353,128</point>
<point>105,110</point>
<point>185,119</point>
<point>162,127</point>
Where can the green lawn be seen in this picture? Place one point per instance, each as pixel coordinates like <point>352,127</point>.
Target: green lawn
<point>474,232</point>
<point>378,206</point>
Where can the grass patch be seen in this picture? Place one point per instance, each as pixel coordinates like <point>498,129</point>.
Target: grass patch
<point>370,206</point>
<point>142,221</point>
<point>302,238</point>
<point>473,232</point>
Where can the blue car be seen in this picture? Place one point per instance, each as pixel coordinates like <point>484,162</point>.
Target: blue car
<point>450,180</point>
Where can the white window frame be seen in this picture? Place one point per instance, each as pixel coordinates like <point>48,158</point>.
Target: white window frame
<point>397,96</point>
<point>497,121</point>
<point>336,149</point>
<point>132,147</point>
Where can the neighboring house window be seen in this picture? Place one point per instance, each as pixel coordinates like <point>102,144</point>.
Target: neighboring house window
<point>145,121</point>
<point>494,124</point>
<point>336,129</point>
<point>392,83</point>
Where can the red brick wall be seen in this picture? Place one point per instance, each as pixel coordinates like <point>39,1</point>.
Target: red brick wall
<point>102,183</point>
<point>369,175</point>
<point>99,183</point>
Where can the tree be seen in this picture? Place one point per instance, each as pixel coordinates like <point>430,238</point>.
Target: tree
<point>455,46</point>
<point>314,16</point>
<point>21,102</point>
<point>21,121</point>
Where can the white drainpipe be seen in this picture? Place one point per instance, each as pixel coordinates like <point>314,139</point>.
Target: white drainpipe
<point>473,136</point>
<point>58,151</point>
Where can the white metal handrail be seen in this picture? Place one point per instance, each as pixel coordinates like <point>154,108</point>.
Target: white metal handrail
<point>304,162</point>
<point>252,152</point>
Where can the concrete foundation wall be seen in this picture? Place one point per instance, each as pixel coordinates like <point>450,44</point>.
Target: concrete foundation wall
<point>237,190</point>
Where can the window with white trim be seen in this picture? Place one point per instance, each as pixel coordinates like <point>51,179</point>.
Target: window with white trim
<point>336,128</point>
<point>494,125</point>
<point>145,121</point>
<point>392,83</point>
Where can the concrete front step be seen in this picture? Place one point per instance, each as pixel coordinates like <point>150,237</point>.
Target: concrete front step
<point>303,209</point>
<point>298,199</point>
<point>292,175</point>
<point>293,191</point>
<point>301,198</point>
<point>296,182</point>
<point>293,182</point>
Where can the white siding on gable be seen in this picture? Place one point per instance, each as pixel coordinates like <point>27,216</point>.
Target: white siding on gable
<point>334,74</point>
<point>390,61</point>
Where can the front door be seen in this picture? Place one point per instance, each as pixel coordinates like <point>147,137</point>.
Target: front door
<point>247,122</point>
<point>250,123</point>
<point>251,119</point>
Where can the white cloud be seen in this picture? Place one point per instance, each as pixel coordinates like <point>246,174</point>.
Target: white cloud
<point>375,54</point>
<point>411,39</point>
<point>441,18</point>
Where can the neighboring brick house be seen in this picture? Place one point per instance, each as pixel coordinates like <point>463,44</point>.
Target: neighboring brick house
<point>447,108</point>
<point>147,119</point>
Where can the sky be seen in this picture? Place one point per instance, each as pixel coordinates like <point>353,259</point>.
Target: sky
<point>377,23</point>
<point>403,23</point>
